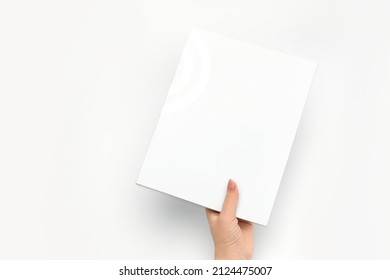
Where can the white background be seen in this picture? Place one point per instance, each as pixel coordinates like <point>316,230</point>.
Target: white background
<point>81,88</point>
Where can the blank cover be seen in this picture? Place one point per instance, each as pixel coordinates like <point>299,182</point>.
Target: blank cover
<point>232,111</point>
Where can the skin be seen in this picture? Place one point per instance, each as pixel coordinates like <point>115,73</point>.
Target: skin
<point>233,238</point>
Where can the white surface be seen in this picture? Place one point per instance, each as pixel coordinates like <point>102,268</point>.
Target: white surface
<point>232,111</point>
<point>83,82</point>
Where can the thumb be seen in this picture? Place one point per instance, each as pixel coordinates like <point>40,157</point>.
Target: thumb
<point>231,199</point>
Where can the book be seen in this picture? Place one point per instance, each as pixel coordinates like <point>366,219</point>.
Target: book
<point>232,111</point>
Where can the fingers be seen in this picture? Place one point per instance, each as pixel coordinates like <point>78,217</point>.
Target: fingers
<point>229,205</point>
<point>211,215</point>
<point>231,199</point>
<point>244,221</point>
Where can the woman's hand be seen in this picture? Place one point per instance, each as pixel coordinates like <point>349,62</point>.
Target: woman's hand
<point>233,238</point>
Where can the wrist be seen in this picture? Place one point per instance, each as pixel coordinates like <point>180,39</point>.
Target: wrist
<point>229,254</point>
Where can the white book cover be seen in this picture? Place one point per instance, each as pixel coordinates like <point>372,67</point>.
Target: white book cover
<point>232,111</point>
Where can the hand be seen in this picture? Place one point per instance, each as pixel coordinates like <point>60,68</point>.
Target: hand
<point>233,238</point>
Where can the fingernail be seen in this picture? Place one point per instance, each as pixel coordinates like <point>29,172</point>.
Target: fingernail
<point>231,185</point>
